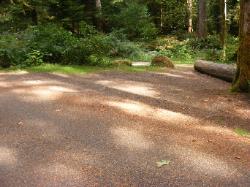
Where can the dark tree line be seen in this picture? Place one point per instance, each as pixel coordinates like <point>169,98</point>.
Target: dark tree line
<point>169,16</point>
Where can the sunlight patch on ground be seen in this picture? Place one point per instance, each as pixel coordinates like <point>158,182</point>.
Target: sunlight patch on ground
<point>140,109</point>
<point>131,87</point>
<point>34,82</point>
<point>182,120</point>
<point>80,155</point>
<point>172,116</point>
<point>185,65</point>
<point>130,138</point>
<point>4,84</point>
<point>7,157</point>
<point>51,133</point>
<point>45,92</point>
<point>60,170</point>
<point>50,91</point>
<point>188,73</point>
<point>19,72</point>
<point>60,89</point>
<point>62,174</point>
<point>42,124</point>
<point>216,129</point>
<point>204,163</point>
<point>242,113</point>
<point>61,75</point>
<point>170,75</point>
<point>130,107</point>
<point>44,128</point>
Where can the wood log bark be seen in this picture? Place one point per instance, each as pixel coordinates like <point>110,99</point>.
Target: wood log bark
<point>222,71</point>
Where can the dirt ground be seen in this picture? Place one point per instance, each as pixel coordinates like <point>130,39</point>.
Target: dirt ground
<point>110,129</point>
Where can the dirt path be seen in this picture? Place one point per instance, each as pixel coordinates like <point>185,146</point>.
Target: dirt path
<point>110,129</point>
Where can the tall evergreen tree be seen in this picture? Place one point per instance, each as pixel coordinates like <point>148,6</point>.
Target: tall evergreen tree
<point>242,78</point>
<point>202,19</point>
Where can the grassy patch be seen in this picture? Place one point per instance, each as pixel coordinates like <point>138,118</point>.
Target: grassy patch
<point>184,61</point>
<point>242,132</point>
<point>77,69</point>
<point>55,68</point>
<point>139,69</point>
<point>67,69</point>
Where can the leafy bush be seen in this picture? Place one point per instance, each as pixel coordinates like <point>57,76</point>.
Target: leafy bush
<point>5,60</point>
<point>13,47</point>
<point>99,60</point>
<point>109,45</point>
<point>162,61</point>
<point>210,42</point>
<point>121,48</point>
<point>182,51</point>
<point>212,54</point>
<point>51,40</point>
<point>172,48</point>
<point>60,46</point>
<point>232,49</point>
<point>54,44</point>
<point>133,18</point>
<point>33,58</point>
<point>192,48</point>
<point>175,14</point>
<point>122,62</point>
<point>86,30</point>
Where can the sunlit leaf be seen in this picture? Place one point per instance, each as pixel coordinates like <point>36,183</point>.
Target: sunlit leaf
<point>162,163</point>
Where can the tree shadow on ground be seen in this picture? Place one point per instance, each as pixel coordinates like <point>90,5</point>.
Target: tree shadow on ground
<point>85,135</point>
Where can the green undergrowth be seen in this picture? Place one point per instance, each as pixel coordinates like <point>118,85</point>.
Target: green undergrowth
<point>139,69</point>
<point>242,132</point>
<point>56,68</point>
<point>79,69</point>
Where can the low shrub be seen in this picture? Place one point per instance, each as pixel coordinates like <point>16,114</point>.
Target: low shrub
<point>5,61</point>
<point>51,40</point>
<point>210,42</point>
<point>53,44</point>
<point>232,49</point>
<point>122,62</point>
<point>111,46</point>
<point>86,30</point>
<point>33,58</point>
<point>14,47</point>
<point>162,61</point>
<point>133,18</point>
<point>99,60</point>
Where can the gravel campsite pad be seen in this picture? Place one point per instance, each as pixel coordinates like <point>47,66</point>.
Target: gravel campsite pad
<point>169,128</point>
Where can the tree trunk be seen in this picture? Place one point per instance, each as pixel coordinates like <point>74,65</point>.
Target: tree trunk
<point>98,5</point>
<point>190,15</point>
<point>161,16</point>
<point>242,78</point>
<point>202,19</point>
<point>34,16</point>
<point>223,27</point>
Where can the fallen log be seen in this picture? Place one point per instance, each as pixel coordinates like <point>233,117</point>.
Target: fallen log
<point>222,71</point>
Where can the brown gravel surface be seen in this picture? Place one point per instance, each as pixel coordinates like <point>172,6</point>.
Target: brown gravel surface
<point>110,129</point>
